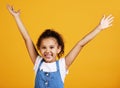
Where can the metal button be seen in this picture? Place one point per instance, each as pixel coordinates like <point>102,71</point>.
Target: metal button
<point>46,83</point>
<point>47,74</point>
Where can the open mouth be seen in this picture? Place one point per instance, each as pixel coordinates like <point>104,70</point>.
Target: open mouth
<point>48,56</point>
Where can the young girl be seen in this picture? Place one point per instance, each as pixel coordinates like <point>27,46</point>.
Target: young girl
<point>50,72</point>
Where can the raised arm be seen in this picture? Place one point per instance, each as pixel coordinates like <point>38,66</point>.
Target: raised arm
<point>104,23</point>
<point>29,44</point>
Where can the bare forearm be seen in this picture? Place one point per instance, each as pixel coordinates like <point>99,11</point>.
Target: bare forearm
<point>89,36</point>
<point>22,28</point>
<point>77,48</point>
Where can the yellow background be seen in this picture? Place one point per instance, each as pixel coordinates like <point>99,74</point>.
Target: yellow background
<point>97,66</point>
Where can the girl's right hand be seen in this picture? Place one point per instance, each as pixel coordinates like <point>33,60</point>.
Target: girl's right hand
<point>12,11</point>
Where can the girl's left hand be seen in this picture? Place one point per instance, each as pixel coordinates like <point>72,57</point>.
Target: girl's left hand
<point>106,22</point>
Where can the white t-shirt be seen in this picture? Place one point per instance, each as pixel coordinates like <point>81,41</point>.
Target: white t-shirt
<point>51,67</point>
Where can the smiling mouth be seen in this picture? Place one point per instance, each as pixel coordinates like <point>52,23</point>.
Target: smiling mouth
<point>48,56</point>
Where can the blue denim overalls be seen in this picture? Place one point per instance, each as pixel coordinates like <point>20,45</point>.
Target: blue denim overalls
<point>48,79</point>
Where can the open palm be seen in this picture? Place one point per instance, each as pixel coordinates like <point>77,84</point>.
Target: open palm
<point>12,11</point>
<point>106,21</point>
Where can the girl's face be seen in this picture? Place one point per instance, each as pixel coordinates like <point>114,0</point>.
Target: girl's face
<point>49,49</point>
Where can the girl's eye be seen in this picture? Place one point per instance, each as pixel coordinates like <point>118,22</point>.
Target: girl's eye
<point>51,47</point>
<point>43,47</point>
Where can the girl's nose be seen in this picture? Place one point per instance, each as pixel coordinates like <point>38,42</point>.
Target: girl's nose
<point>47,50</point>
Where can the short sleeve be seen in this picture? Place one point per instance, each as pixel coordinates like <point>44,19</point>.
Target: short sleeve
<point>37,62</point>
<point>63,70</point>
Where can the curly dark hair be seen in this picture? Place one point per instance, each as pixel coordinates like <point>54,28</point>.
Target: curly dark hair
<point>51,33</point>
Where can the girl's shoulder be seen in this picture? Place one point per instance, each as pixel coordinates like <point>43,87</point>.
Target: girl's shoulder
<point>61,61</point>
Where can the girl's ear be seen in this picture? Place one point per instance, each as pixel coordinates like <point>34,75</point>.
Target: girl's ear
<point>59,49</point>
